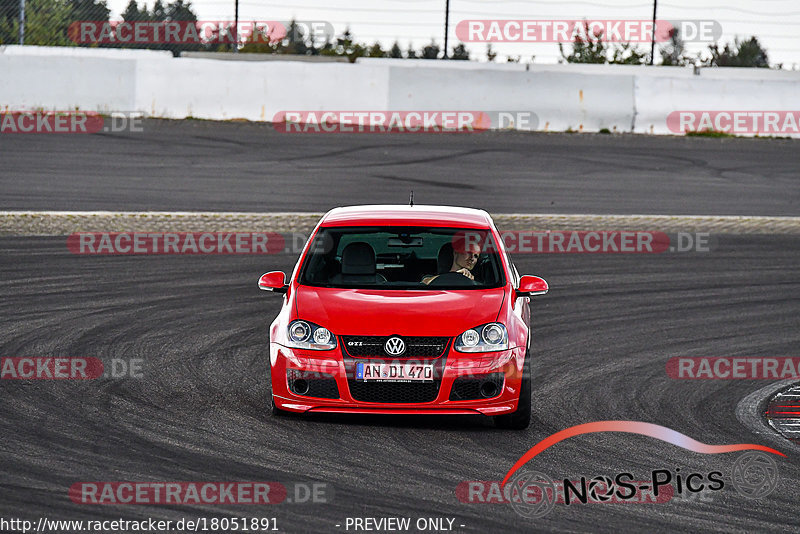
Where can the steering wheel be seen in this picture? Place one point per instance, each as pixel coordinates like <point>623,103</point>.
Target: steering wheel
<point>452,279</point>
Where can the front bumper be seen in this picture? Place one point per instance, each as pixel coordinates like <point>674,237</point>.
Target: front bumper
<point>348,396</point>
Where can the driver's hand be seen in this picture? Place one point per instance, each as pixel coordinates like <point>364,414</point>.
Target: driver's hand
<point>466,273</point>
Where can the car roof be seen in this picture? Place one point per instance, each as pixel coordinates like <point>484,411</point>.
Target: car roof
<point>401,215</point>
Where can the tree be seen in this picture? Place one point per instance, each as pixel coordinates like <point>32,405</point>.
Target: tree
<point>46,23</point>
<point>9,9</point>
<point>279,40</point>
<point>179,11</point>
<point>674,53</point>
<point>159,12</point>
<point>395,51</point>
<point>460,52</point>
<point>490,53</point>
<point>626,54</point>
<point>345,46</point>
<point>175,11</point>
<point>88,10</point>
<point>258,42</point>
<point>313,49</point>
<point>376,51</point>
<point>132,12</point>
<point>589,48</point>
<point>9,12</point>
<point>295,41</point>
<point>748,53</point>
<point>431,51</point>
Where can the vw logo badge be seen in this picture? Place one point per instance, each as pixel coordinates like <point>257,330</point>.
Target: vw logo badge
<point>394,346</point>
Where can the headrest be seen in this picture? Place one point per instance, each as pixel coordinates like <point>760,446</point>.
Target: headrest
<point>358,258</point>
<point>445,258</point>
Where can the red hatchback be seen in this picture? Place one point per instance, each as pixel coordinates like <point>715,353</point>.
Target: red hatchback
<point>404,310</point>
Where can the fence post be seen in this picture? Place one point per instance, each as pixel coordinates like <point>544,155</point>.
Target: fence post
<point>236,29</point>
<point>22,22</point>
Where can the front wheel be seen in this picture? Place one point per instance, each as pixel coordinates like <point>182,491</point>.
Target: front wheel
<point>274,410</point>
<point>521,418</point>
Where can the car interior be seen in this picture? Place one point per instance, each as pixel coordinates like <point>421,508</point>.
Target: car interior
<point>392,259</point>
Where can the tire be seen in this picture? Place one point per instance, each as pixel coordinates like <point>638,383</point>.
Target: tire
<point>521,418</point>
<point>274,410</point>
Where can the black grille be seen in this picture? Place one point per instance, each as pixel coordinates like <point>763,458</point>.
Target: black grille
<point>320,385</point>
<point>394,392</point>
<point>469,387</point>
<point>416,346</point>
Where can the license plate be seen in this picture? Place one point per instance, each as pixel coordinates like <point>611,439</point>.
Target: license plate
<point>394,372</point>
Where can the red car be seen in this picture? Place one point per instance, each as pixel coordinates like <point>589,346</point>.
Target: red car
<point>404,310</point>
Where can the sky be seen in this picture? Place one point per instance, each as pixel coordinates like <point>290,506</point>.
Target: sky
<point>416,22</point>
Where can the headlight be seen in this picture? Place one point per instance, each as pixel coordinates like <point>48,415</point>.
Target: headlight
<point>485,338</point>
<point>305,335</point>
<point>493,334</point>
<point>299,332</point>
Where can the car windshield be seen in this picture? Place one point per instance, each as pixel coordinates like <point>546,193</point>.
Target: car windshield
<point>402,258</point>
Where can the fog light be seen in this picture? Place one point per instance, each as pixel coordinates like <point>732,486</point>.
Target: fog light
<point>300,386</point>
<point>488,389</point>
<point>470,338</point>
<point>322,336</point>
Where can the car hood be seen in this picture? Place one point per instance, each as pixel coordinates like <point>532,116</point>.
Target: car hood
<point>364,312</point>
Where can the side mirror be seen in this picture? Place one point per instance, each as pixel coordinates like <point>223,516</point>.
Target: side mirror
<point>530,286</point>
<point>273,281</point>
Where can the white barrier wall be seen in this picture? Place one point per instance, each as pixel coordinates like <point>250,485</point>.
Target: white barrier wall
<point>66,83</point>
<point>560,100</point>
<point>579,97</point>
<point>656,98</point>
<point>211,89</point>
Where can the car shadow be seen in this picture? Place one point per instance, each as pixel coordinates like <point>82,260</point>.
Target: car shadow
<point>427,422</point>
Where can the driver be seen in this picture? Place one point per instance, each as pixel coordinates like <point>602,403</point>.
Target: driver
<point>464,259</point>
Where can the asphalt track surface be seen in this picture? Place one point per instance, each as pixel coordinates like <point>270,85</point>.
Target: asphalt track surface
<point>199,412</point>
<point>602,338</point>
<point>210,166</point>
